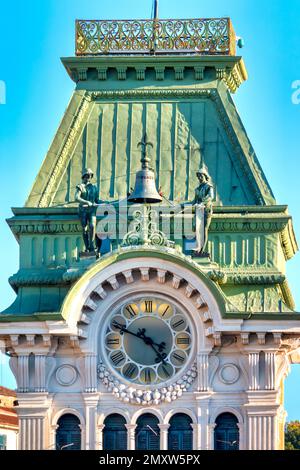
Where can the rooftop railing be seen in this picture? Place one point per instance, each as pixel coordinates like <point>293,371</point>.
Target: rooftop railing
<point>208,36</point>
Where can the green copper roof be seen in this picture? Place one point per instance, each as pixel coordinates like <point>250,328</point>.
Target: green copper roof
<point>186,108</point>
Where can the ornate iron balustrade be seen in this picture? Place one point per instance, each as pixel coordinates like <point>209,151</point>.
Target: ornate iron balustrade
<point>211,36</point>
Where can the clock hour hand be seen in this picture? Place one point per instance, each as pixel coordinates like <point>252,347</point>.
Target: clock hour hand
<point>140,334</point>
<point>160,357</point>
<point>148,340</point>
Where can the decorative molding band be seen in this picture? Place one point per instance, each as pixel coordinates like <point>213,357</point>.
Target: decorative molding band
<point>39,228</point>
<point>55,276</point>
<point>254,226</point>
<point>263,278</point>
<point>151,93</point>
<point>143,397</point>
<point>220,224</point>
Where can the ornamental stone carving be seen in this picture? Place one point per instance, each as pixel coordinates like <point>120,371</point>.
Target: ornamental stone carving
<point>66,375</point>
<point>136,396</point>
<point>229,374</point>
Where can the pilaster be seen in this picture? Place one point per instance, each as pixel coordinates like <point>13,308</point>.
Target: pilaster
<point>262,410</point>
<point>270,370</point>
<point>202,365</point>
<point>32,413</point>
<point>90,372</point>
<point>164,436</point>
<point>253,362</point>
<point>91,403</point>
<point>130,436</point>
<point>202,439</point>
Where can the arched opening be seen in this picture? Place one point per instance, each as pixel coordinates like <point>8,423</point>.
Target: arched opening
<point>147,436</point>
<point>180,436</point>
<point>68,434</point>
<point>227,432</point>
<point>115,433</point>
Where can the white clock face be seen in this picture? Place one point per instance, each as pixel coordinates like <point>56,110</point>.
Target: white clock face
<point>148,340</point>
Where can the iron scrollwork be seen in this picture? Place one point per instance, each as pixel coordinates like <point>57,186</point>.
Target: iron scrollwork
<point>204,35</point>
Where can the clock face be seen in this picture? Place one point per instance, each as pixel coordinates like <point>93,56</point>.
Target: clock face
<point>148,340</point>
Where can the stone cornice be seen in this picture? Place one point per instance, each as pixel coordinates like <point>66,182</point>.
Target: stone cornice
<point>55,276</point>
<point>267,219</point>
<point>254,277</point>
<point>246,219</point>
<point>230,69</point>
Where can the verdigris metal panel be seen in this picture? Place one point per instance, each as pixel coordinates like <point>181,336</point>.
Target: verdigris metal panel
<point>185,135</point>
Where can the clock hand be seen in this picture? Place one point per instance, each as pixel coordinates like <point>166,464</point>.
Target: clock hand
<point>147,340</point>
<point>151,343</point>
<point>123,329</point>
<point>140,334</point>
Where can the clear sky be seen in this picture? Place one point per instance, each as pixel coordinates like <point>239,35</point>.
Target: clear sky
<point>36,33</point>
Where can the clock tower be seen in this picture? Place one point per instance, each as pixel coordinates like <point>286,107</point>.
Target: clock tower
<point>152,307</point>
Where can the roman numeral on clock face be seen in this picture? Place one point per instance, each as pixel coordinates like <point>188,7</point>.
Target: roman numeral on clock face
<point>183,340</point>
<point>117,357</point>
<point>168,374</point>
<point>129,370</point>
<point>112,341</point>
<point>147,375</point>
<point>130,310</point>
<point>165,311</point>
<point>178,323</point>
<point>148,306</point>
<point>178,357</point>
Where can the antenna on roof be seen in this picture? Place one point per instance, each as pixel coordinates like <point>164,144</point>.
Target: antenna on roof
<point>155,27</point>
<point>155,15</point>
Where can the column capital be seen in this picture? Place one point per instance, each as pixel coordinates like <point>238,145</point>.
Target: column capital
<point>195,426</point>
<point>130,427</point>
<point>164,426</point>
<point>203,396</point>
<point>91,399</point>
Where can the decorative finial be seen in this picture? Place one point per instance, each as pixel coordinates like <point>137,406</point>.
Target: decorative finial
<point>145,160</point>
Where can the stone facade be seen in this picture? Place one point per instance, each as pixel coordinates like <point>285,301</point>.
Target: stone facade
<point>243,327</point>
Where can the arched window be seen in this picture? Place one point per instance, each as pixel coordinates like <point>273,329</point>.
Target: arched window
<point>68,434</point>
<point>115,433</point>
<point>226,432</point>
<point>147,435</point>
<point>180,436</point>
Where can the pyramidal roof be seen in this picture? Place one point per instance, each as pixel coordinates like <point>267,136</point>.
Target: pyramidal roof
<point>177,92</point>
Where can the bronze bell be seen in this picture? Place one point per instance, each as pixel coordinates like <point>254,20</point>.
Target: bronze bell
<point>145,188</point>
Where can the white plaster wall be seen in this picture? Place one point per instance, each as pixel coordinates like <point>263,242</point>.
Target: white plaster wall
<point>11,438</point>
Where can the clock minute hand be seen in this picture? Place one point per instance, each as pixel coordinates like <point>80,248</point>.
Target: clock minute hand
<point>147,340</point>
<point>124,330</point>
<point>140,334</point>
<point>151,343</point>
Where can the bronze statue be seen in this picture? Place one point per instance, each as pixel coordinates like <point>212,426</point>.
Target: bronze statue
<point>87,196</point>
<point>202,201</point>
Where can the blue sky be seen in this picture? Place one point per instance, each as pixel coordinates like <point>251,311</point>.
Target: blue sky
<point>36,33</point>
